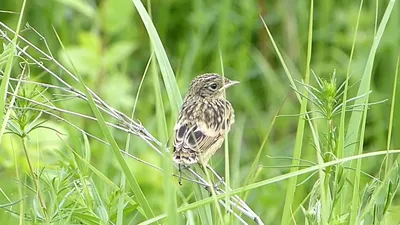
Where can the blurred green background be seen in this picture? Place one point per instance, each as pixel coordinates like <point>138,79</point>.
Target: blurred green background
<point>109,46</point>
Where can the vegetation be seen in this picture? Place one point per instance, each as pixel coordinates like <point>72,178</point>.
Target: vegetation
<point>90,92</point>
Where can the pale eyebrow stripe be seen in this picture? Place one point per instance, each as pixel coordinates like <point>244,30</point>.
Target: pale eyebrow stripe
<point>210,77</point>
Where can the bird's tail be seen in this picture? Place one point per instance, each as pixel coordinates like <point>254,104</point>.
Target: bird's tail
<point>183,157</point>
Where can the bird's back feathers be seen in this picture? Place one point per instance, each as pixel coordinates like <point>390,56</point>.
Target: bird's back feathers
<point>200,129</point>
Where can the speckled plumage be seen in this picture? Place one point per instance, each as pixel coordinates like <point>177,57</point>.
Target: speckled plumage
<point>204,119</point>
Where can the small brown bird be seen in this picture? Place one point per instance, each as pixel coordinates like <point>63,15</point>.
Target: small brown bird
<point>204,119</point>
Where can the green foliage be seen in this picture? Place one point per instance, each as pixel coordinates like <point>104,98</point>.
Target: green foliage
<point>302,151</point>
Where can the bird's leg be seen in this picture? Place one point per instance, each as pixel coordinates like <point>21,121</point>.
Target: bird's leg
<point>180,168</point>
<point>180,174</point>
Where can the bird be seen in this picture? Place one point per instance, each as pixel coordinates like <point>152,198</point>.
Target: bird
<point>204,119</point>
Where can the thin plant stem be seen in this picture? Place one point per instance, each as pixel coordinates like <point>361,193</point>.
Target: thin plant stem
<point>388,163</point>
<point>34,177</point>
<point>125,123</point>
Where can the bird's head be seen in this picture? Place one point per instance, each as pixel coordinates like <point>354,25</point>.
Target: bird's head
<point>210,85</point>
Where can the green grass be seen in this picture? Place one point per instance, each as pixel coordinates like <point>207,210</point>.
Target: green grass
<point>309,145</point>
<point>147,211</point>
<point>8,53</point>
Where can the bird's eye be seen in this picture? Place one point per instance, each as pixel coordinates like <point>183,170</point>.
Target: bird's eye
<point>214,86</point>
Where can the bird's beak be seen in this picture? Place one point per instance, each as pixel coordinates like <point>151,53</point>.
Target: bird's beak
<point>230,83</point>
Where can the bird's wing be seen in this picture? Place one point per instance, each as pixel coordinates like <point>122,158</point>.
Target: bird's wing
<point>201,136</point>
<point>193,138</point>
<point>198,134</point>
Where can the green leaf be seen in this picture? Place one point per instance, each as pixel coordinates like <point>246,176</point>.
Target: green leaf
<point>117,52</point>
<point>85,60</point>
<point>7,71</point>
<point>141,199</point>
<point>116,15</point>
<point>81,6</point>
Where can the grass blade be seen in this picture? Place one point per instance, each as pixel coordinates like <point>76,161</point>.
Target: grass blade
<point>356,117</point>
<point>7,71</point>
<point>274,180</point>
<point>171,86</point>
<point>291,187</point>
<point>389,137</point>
<point>365,84</point>
<point>141,199</point>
